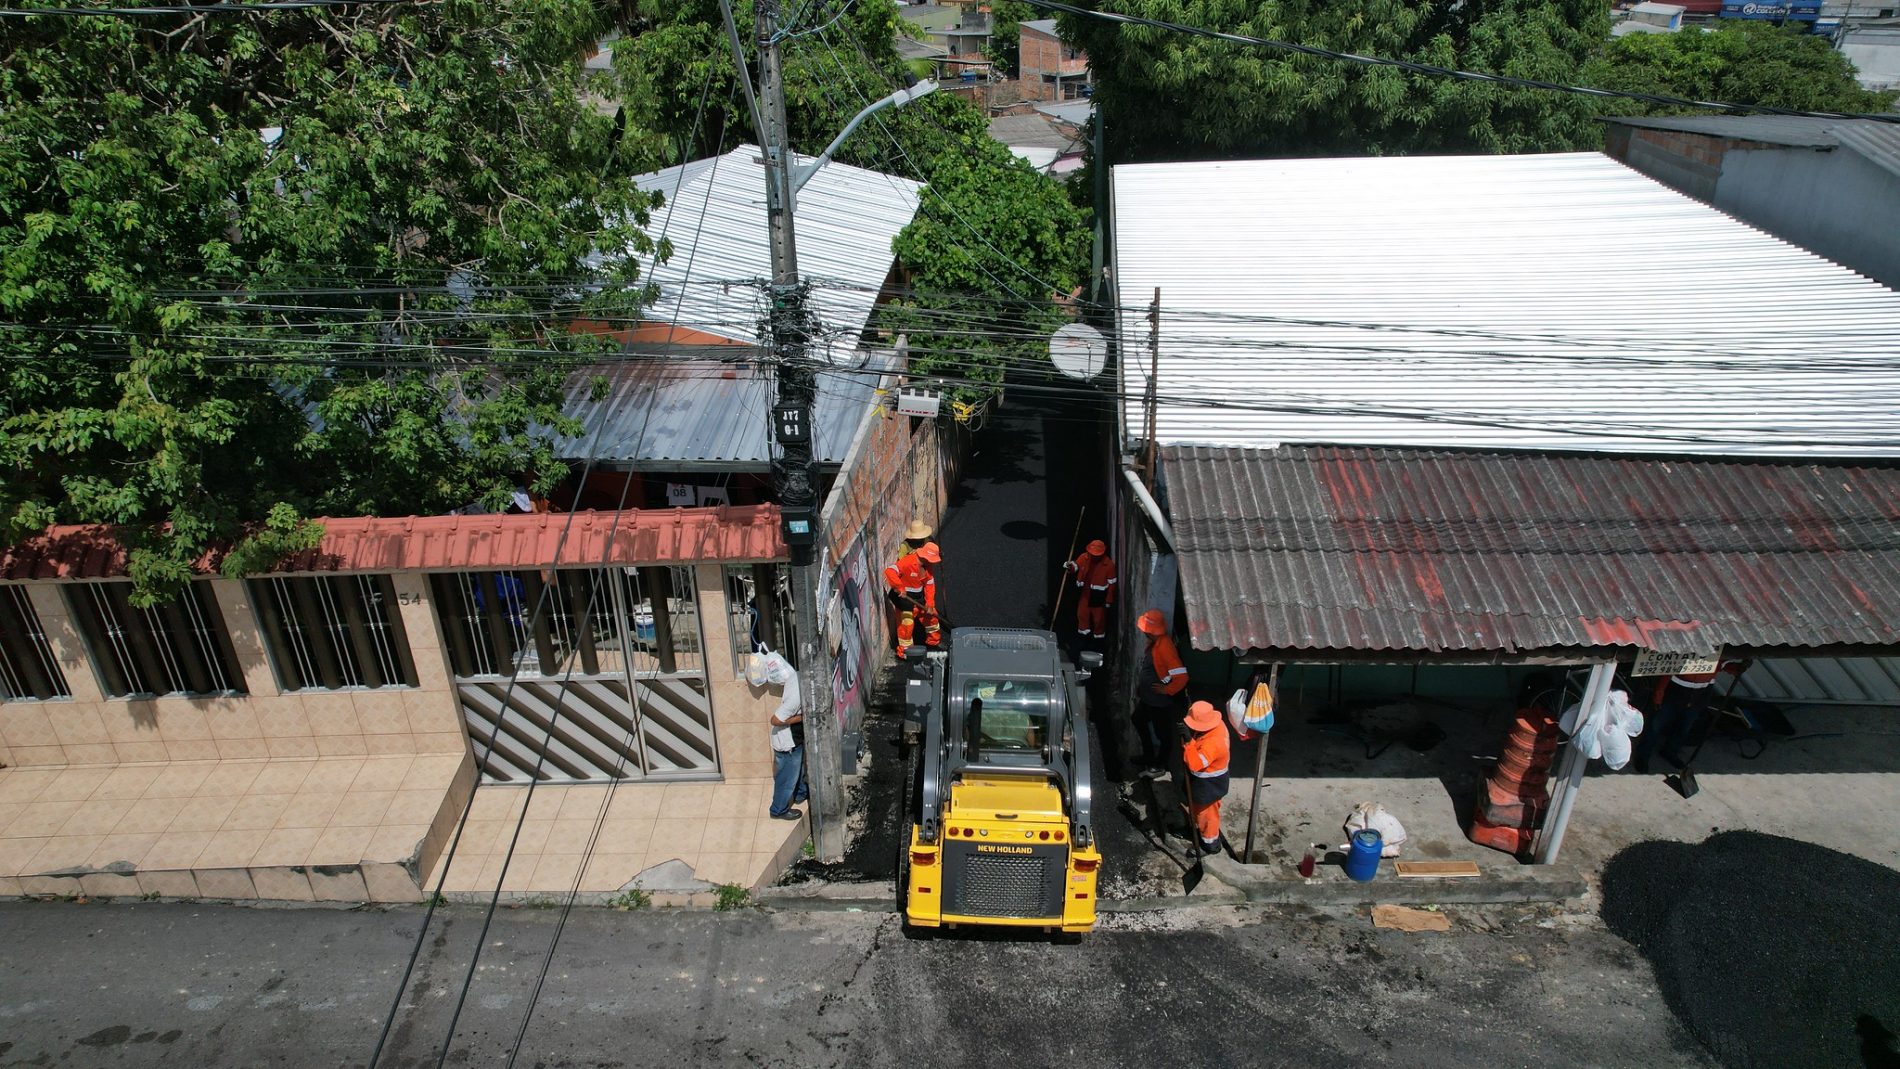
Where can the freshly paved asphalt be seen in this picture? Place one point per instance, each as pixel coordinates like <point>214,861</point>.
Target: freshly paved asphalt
<point>144,984</point>
<point>1031,487</point>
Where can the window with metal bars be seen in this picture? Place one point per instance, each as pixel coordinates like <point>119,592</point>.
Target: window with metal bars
<point>28,670</point>
<point>332,632</point>
<point>583,621</point>
<point>179,647</point>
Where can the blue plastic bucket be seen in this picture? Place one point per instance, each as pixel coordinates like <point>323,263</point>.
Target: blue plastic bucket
<point>1362,854</point>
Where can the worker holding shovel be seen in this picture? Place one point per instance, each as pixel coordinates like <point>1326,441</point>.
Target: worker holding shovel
<point>911,584</point>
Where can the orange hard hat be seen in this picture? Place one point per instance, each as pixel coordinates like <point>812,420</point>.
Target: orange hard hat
<point>1202,717</point>
<point>1097,548</point>
<point>929,551</point>
<point>1152,623</point>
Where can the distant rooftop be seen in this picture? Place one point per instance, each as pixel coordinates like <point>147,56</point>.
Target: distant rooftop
<point>1879,142</point>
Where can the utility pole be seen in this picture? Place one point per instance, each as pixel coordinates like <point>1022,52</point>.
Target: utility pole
<point>790,328</point>
<point>792,474</point>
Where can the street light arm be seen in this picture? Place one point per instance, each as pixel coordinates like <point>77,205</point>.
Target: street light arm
<point>896,100</point>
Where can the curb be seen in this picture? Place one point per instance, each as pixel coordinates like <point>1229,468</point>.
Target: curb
<point>1261,883</point>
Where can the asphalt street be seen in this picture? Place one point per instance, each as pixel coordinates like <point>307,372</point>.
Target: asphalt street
<point>144,984</point>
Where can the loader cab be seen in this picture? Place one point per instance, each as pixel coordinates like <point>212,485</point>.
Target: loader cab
<point>1008,722</point>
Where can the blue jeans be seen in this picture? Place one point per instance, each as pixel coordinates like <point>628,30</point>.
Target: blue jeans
<point>788,778</point>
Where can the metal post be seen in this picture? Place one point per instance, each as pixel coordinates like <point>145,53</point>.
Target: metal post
<point>791,327</point>
<point>1149,399</point>
<point>1570,772</point>
<point>1260,764</point>
<point>790,330</point>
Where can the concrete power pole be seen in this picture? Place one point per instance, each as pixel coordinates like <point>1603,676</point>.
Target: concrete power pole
<point>791,330</point>
<point>791,327</point>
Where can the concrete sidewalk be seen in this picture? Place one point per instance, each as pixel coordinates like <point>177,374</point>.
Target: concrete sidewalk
<point>1832,783</point>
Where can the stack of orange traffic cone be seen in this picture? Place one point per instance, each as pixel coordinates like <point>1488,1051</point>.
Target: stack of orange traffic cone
<point>1511,807</point>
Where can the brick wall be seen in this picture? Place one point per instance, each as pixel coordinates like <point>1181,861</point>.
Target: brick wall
<point>896,472</point>
<point>1042,54</point>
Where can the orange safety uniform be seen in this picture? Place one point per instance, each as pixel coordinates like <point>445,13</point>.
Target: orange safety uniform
<point>1095,578</point>
<point>1206,757</point>
<point>1170,675</point>
<point>913,597</point>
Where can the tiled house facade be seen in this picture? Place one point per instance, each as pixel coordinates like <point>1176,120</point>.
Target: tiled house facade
<point>318,733</point>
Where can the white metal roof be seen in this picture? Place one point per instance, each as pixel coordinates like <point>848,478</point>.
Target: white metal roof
<point>1534,302</point>
<point>846,219</point>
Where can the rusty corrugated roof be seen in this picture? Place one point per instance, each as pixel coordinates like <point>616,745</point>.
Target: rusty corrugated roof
<point>731,534</point>
<point>1437,551</point>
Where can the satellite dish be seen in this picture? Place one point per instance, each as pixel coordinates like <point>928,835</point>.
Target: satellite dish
<point>1078,351</point>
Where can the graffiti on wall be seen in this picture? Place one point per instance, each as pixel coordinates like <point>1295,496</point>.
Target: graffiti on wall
<point>848,617</point>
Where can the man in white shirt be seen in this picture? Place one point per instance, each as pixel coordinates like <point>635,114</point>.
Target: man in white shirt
<point>788,757</point>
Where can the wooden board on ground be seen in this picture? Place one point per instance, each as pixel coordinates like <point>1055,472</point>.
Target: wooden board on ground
<point>1435,869</point>
<point>1406,919</point>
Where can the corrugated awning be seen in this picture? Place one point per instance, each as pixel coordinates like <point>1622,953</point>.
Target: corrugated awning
<point>1512,554</point>
<point>727,534</point>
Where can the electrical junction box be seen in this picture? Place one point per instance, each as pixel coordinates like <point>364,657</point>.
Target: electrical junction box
<point>800,524</point>
<point>918,401</point>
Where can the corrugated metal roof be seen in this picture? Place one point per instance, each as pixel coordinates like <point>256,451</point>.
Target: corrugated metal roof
<point>1823,680</point>
<point>1536,302</point>
<point>1325,548</point>
<point>677,414</point>
<point>1795,131</point>
<point>846,219</point>
<point>1047,26</point>
<point>1073,112</point>
<point>1033,131</point>
<point>733,534</point>
<point>1879,143</point>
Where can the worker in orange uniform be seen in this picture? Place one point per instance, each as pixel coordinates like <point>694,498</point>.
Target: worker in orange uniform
<point>1680,705</point>
<point>1205,753</point>
<point>1160,693</point>
<point>1095,592</point>
<point>911,590</point>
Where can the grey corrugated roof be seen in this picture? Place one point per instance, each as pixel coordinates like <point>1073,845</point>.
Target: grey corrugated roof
<point>846,220</point>
<point>1486,554</point>
<point>1791,130</point>
<point>1073,112</point>
<point>1823,680</point>
<point>909,49</point>
<point>1879,143</point>
<point>678,412</point>
<point>1047,26</point>
<point>1524,302</point>
<point>1031,131</point>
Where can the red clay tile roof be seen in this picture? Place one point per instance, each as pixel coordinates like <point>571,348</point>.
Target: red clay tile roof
<point>729,534</point>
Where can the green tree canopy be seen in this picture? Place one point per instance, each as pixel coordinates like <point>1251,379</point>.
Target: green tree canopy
<point>1169,95</point>
<point>1738,62</point>
<point>263,266</point>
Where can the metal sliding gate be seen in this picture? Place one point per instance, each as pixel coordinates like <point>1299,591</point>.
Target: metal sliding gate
<point>580,675</point>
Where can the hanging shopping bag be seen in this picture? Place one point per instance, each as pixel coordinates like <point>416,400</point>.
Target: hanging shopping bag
<point>1259,715</point>
<point>1237,715</point>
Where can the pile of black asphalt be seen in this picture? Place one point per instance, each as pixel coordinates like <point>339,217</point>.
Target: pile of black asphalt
<point>1773,952</point>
